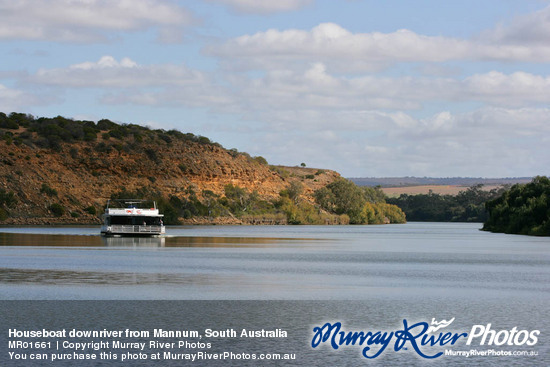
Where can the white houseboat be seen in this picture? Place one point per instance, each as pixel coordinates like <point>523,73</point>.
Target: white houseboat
<point>132,217</point>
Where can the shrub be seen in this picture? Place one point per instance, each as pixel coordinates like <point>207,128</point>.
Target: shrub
<point>7,198</point>
<point>91,210</point>
<point>9,125</point>
<point>73,152</point>
<point>57,209</point>
<point>281,171</point>
<point>166,138</point>
<point>260,160</point>
<point>204,140</point>
<point>3,214</point>
<point>105,124</point>
<point>90,136</point>
<point>46,189</point>
<point>103,148</point>
<point>152,155</point>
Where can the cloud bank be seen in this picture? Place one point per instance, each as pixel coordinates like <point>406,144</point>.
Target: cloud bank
<point>86,20</point>
<point>393,103</point>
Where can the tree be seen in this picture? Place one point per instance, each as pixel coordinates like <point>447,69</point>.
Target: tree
<point>343,197</point>
<point>237,198</point>
<point>523,209</point>
<point>361,205</point>
<point>295,190</point>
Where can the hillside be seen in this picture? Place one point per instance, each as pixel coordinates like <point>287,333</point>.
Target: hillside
<point>63,171</point>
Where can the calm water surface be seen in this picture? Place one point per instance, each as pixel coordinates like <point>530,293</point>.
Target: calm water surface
<point>273,262</point>
<point>364,276</point>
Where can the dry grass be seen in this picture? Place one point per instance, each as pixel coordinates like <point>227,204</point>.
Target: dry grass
<point>425,189</point>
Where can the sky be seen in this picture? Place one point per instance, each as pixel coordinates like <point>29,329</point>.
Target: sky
<point>368,88</point>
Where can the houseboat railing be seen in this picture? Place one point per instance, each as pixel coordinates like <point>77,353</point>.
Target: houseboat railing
<point>118,228</point>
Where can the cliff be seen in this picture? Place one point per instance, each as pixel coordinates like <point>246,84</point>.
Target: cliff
<point>63,171</point>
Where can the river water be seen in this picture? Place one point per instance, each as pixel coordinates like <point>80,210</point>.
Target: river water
<point>274,262</point>
<point>377,275</point>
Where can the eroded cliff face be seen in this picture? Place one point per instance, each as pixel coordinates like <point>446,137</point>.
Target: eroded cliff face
<point>84,174</point>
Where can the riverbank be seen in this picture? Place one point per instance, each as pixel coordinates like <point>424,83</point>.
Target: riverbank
<point>222,220</point>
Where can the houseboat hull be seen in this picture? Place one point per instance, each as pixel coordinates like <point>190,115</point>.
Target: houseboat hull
<point>132,230</point>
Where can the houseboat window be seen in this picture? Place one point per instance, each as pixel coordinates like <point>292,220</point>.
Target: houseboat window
<point>136,221</point>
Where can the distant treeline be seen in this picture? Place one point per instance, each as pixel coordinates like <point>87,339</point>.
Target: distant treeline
<point>467,206</point>
<point>524,209</point>
<point>420,181</point>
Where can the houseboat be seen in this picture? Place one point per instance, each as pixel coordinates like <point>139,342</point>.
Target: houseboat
<point>132,217</point>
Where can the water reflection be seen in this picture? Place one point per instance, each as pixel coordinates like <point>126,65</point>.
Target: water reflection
<point>67,277</point>
<point>53,240</point>
<point>134,242</point>
<point>354,262</point>
<point>31,239</point>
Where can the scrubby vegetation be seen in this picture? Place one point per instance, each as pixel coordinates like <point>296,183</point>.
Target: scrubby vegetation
<point>524,209</point>
<point>7,200</point>
<point>44,132</point>
<point>289,208</point>
<point>363,205</point>
<point>467,206</point>
<point>46,189</point>
<point>57,209</point>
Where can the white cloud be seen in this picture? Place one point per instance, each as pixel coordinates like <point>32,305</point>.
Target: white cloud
<point>9,98</point>
<point>12,100</point>
<point>85,20</point>
<point>344,51</point>
<point>311,89</point>
<point>263,6</point>
<point>333,45</point>
<point>315,88</point>
<point>514,89</point>
<point>500,141</point>
<point>108,72</point>
<point>105,62</point>
<point>127,82</point>
<point>531,29</point>
<point>204,96</point>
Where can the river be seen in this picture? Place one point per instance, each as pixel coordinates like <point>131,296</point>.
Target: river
<point>378,275</point>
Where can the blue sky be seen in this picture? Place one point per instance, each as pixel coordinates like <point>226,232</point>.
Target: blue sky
<point>364,87</point>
